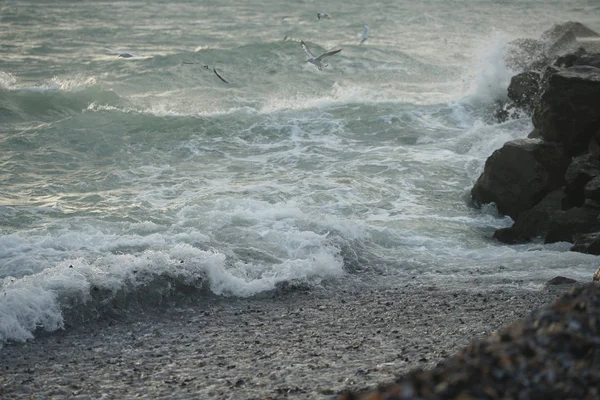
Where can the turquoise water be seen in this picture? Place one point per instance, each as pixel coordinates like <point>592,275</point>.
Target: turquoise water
<point>122,175</point>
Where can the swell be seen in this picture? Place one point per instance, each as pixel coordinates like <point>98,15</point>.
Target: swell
<point>24,104</point>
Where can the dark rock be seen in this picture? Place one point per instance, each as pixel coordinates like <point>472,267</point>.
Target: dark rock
<point>577,29</point>
<point>592,189</point>
<point>565,225</point>
<point>570,59</point>
<point>534,54</point>
<point>582,170</point>
<point>562,43</point>
<point>524,89</point>
<point>519,175</point>
<point>593,60</point>
<point>587,243</point>
<point>569,109</point>
<point>561,280</point>
<point>594,145</point>
<point>552,354</point>
<point>533,223</point>
<point>534,134</point>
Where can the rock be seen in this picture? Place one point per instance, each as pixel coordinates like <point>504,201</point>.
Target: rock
<point>591,190</point>
<point>596,277</point>
<point>577,29</point>
<point>565,225</point>
<point>524,89</point>
<point>569,109</point>
<point>570,59</point>
<point>593,60</point>
<point>552,354</point>
<point>534,134</point>
<point>533,223</point>
<point>562,44</point>
<point>587,243</point>
<point>581,171</point>
<point>561,280</point>
<point>534,54</point>
<point>518,175</point>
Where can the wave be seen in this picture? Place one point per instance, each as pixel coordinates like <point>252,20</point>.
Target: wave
<point>57,99</point>
<point>75,290</point>
<point>94,272</point>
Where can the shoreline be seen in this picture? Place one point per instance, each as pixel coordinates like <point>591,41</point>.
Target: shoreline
<point>301,344</point>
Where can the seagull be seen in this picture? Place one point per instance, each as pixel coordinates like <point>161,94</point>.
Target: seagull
<point>220,77</point>
<point>365,34</point>
<point>322,16</point>
<point>318,61</point>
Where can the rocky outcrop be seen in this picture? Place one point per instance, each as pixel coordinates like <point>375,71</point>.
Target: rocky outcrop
<point>569,110</point>
<point>517,176</point>
<point>550,183</point>
<point>583,170</point>
<point>534,54</point>
<point>562,46</point>
<point>587,243</point>
<point>564,226</point>
<point>534,223</point>
<point>524,89</point>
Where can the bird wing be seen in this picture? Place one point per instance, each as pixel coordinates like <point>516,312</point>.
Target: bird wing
<point>325,55</point>
<point>306,49</point>
<point>220,77</point>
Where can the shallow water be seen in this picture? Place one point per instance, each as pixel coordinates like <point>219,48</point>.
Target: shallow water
<point>149,174</point>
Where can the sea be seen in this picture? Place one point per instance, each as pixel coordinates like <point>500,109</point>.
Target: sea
<point>211,159</point>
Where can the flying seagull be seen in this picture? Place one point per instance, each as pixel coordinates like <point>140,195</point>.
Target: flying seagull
<point>322,16</point>
<point>365,35</point>
<point>220,77</point>
<point>318,61</point>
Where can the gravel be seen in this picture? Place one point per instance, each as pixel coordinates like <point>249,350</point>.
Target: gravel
<point>298,344</point>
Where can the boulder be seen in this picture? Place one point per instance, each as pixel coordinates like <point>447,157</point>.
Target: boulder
<point>560,280</point>
<point>591,191</point>
<point>524,89</point>
<point>570,59</point>
<point>587,243</point>
<point>518,175</point>
<point>596,277</point>
<point>582,170</point>
<point>577,29</point>
<point>534,54</point>
<point>564,226</point>
<point>533,223</point>
<point>569,109</point>
<point>592,60</point>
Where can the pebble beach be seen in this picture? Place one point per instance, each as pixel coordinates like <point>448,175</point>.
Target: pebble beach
<point>297,344</point>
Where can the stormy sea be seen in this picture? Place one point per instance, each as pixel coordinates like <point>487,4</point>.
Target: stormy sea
<point>161,151</point>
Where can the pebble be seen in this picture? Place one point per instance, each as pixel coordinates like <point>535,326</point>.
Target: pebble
<point>554,354</point>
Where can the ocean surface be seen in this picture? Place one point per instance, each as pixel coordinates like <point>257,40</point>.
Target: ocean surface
<point>139,179</point>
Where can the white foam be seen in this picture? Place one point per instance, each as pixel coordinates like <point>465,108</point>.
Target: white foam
<point>102,260</point>
<point>7,80</point>
<point>492,76</point>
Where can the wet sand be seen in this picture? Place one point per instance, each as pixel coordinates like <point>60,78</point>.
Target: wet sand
<point>300,344</point>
